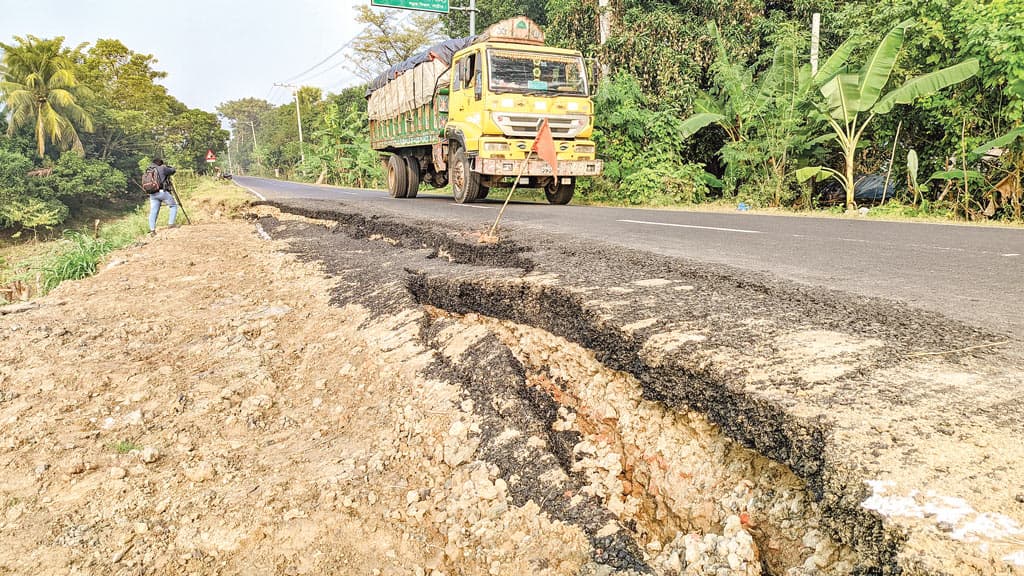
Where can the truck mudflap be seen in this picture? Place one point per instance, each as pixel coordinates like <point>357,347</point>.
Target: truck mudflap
<point>502,167</point>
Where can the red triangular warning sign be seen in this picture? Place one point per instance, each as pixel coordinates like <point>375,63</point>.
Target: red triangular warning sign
<point>210,156</point>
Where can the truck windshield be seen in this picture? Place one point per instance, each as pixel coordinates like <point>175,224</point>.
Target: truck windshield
<point>536,73</point>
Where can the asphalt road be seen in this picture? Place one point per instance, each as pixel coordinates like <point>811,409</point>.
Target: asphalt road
<point>971,273</point>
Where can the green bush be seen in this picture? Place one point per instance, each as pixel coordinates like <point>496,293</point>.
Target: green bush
<point>19,203</point>
<point>666,184</point>
<point>74,176</point>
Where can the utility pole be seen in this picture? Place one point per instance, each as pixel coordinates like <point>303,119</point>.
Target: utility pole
<point>298,114</point>
<point>259,164</point>
<point>472,15</point>
<point>604,29</point>
<point>815,38</point>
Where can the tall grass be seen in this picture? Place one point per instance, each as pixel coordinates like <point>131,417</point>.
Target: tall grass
<point>79,253</point>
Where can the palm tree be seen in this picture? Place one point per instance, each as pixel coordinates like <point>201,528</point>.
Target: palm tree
<point>39,86</point>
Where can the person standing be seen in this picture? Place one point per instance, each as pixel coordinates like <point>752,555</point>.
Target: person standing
<point>162,196</point>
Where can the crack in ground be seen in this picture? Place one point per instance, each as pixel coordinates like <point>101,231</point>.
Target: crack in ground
<point>534,460</point>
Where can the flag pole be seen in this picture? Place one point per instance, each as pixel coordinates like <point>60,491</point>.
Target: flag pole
<point>526,162</point>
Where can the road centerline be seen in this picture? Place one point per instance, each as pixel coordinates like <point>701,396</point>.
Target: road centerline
<point>739,230</point>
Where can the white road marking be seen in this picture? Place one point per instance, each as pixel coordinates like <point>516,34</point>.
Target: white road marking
<point>257,194</point>
<point>471,206</point>
<point>1011,255</point>
<point>691,226</point>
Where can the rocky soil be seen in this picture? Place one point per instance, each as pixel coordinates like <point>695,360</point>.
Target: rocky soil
<point>297,395</point>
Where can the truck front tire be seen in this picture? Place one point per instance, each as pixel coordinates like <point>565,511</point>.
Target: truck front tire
<point>397,176</point>
<point>465,183</point>
<point>558,193</point>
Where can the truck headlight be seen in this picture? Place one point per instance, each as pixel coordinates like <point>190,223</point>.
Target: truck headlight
<point>584,149</point>
<point>496,147</point>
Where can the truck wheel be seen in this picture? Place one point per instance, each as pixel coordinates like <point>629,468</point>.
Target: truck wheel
<point>397,176</point>
<point>558,193</point>
<point>465,182</point>
<point>412,177</point>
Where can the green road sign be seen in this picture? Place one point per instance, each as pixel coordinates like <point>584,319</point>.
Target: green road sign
<point>424,5</point>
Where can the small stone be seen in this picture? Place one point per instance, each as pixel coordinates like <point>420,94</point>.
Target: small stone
<point>1020,497</point>
<point>117,473</point>
<point>149,455</point>
<point>40,469</point>
<point>141,527</point>
<point>371,498</point>
<point>200,472</point>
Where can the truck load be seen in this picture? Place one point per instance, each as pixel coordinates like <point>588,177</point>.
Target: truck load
<point>466,112</point>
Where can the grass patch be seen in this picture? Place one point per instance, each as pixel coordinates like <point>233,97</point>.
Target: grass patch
<point>125,446</point>
<point>37,267</point>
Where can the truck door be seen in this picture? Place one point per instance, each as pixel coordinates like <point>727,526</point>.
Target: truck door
<point>464,81</point>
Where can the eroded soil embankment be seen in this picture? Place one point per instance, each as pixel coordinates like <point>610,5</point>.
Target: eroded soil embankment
<point>685,492</point>
<point>901,424</point>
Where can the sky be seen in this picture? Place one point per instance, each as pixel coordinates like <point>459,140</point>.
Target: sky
<point>212,50</point>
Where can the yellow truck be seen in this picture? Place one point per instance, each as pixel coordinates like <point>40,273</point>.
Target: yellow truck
<point>466,112</point>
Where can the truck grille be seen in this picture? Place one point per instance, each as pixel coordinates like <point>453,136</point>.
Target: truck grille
<point>525,125</point>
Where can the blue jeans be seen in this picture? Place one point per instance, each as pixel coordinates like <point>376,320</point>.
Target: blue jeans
<point>155,200</point>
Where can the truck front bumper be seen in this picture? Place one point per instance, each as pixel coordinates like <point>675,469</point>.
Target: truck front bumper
<point>502,167</point>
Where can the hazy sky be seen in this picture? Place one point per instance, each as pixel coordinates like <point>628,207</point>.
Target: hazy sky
<point>212,50</point>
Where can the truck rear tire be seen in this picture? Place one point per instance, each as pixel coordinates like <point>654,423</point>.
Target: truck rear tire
<point>397,176</point>
<point>558,193</point>
<point>412,177</point>
<point>465,182</point>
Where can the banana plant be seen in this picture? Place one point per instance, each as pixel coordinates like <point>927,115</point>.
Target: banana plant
<point>853,100</point>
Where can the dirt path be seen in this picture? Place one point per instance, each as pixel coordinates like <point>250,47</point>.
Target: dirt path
<point>199,408</point>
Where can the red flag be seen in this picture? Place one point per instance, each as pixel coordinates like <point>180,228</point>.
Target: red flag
<point>544,146</point>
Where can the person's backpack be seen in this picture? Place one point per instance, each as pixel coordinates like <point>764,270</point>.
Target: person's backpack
<point>151,180</point>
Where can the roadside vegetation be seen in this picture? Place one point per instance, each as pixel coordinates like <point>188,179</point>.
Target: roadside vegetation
<point>78,124</point>
<point>715,103</point>
<point>35,267</point>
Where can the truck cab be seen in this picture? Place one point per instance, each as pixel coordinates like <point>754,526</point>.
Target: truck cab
<point>502,86</point>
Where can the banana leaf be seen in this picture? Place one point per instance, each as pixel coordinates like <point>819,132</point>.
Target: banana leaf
<point>808,172</point>
<point>841,93</point>
<point>697,122</point>
<point>912,165</point>
<point>1001,141</point>
<point>954,175</point>
<point>926,84</point>
<point>875,74</point>
<point>835,63</point>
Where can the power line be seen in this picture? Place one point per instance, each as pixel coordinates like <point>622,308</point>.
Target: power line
<point>343,47</point>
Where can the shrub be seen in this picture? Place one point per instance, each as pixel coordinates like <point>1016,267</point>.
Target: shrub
<point>666,184</point>
<point>74,176</point>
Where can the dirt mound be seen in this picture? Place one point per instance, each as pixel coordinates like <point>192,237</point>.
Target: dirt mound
<point>199,407</point>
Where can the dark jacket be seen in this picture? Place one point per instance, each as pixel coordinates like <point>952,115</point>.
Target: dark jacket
<point>163,174</point>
